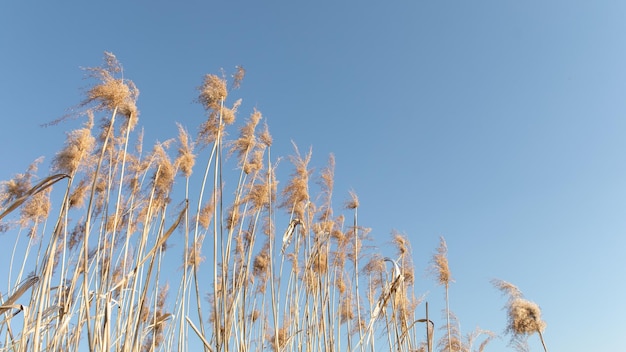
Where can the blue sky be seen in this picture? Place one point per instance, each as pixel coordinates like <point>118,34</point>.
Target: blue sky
<point>499,125</point>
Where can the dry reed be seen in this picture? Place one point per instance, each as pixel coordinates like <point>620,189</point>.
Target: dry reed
<point>524,316</point>
<point>100,248</point>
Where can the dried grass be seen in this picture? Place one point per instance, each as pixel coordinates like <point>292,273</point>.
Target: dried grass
<point>524,316</point>
<point>99,269</point>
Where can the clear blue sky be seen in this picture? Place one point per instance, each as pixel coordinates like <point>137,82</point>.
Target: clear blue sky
<point>500,125</point>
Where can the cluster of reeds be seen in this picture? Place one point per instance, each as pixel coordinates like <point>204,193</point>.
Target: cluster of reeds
<point>257,267</point>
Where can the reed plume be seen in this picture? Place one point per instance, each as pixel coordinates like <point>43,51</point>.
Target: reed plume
<point>524,316</point>
<point>113,94</point>
<point>440,269</point>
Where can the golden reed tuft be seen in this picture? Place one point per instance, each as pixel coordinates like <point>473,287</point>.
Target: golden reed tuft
<point>113,94</point>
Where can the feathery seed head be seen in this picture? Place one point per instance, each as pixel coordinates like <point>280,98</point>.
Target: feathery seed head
<point>254,162</point>
<point>194,254</point>
<point>259,196</point>
<point>440,266</point>
<point>212,92</point>
<point>507,288</point>
<point>234,215</point>
<point>327,175</point>
<point>265,136</point>
<point>254,316</point>
<point>36,208</point>
<point>320,262</point>
<point>113,93</point>
<point>261,267</point>
<point>339,236</point>
<point>206,214</point>
<point>311,281</point>
<point>402,243</point>
<point>247,141</point>
<point>165,172</point>
<point>375,266</point>
<point>19,185</point>
<point>78,147</point>
<point>323,229</point>
<point>262,262</point>
<point>76,235</point>
<point>228,115</point>
<point>186,158</point>
<point>353,203</point>
<point>340,283</point>
<point>339,257</point>
<point>279,339</point>
<point>408,272</point>
<point>296,193</point>
<point>208,131</point>
<point>15,188</point>
<point>346,310</point>
<point>114,222</point>
<point>111,64</point>
<point>525,317</point>
<point>238,76</point>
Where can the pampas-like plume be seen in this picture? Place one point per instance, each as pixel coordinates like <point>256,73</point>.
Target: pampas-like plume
<point>265,137</point>
<point>20,184</point>
<point>441,270</point>
<point>212,92</point>
<point>296,193</point>
<point>353,203</point>
<point>238,77</point>
<point>77,149</point>
<point>186,158</point>
<point>440,266</point>
<point>194,254</point>
<point>524,316</point>
<point>113,93</point>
